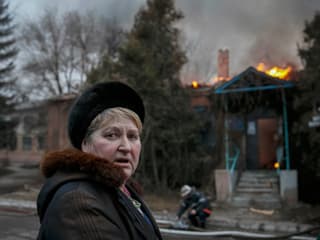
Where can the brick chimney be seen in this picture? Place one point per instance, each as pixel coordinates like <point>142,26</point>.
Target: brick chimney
<point>223,64</point>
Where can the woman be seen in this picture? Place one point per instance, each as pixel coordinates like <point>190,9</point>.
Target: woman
<point>87,193</point>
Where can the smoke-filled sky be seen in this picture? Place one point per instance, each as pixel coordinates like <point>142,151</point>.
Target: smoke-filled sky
<point>252,30</point>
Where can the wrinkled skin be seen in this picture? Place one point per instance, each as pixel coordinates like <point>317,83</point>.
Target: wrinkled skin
<point>118,142</point>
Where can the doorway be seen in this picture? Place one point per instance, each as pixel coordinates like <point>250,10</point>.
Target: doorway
<point>262,140</point>
<point>268,139</point>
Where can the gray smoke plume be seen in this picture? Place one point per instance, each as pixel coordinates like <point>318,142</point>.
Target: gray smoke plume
<point>252,30</point>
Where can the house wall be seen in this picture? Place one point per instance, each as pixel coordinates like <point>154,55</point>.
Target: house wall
<point>199,98</point>
<point>40,128</point>
<point>20,157</point>
<point>57,137</point>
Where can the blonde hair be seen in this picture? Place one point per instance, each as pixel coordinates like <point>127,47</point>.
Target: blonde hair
<point>112,115</point>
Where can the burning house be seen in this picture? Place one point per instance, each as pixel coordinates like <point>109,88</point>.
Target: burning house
<point>251,131</point>
<point>255,135</point>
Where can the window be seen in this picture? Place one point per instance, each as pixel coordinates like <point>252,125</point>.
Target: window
<point>41,142</point>
<point>27,143</point>
<point>200,109</point>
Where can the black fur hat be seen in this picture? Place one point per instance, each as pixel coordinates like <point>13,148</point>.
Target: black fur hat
<point>96,99</point>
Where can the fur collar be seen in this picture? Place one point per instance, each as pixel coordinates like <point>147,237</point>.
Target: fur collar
<point>73,160</point>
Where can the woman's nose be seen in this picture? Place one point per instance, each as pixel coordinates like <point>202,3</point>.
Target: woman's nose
<point>124,144</point>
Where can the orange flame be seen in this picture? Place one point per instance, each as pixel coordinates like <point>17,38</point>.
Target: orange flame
<point>219,79</point>
<point>194,84</point>
<point>282,73</point>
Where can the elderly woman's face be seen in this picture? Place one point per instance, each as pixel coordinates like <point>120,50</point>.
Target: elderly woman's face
<point>118,142</point>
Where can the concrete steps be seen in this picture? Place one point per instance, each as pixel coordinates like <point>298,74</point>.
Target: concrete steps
<point>259,188</point>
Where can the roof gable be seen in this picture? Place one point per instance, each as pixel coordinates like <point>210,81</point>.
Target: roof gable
<point>252,80</point>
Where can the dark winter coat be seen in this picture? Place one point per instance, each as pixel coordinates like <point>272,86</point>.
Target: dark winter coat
<point>195,200</point>
<point>81,200</point>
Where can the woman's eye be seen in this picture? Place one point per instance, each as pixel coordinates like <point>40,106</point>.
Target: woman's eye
<point>133,136</point>
<point>110,135</point>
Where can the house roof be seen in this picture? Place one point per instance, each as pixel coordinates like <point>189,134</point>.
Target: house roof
<point>252,80</point>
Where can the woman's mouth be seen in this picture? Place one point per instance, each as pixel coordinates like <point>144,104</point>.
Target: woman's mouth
<point>122,162</point>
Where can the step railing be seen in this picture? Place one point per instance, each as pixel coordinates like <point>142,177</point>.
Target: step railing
<point>232,164</point>
<point>232,156</point>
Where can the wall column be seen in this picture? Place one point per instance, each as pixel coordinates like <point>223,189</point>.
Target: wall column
<point>289,186</point>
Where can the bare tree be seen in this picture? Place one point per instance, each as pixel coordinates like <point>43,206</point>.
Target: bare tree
<point>59,51</point>
<point>200,65</point>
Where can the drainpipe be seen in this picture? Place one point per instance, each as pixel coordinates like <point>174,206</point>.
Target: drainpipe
<point>226,135</point>
<point>285,128</point>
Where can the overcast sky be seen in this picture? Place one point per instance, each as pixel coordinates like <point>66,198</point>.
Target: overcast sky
<point>252,30</point>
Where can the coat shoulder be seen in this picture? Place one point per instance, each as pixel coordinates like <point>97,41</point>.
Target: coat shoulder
<point>79,209</point>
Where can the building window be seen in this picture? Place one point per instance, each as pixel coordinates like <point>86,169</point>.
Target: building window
<point>200,109</point>
<point>41,142</point>
<point>27,143</point>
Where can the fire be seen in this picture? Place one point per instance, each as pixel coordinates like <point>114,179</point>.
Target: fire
<point>219,79</point>
<point>194,84</point>
<point>278,72</point>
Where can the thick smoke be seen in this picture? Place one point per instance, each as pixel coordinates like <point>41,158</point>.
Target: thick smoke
<point>252,30</point>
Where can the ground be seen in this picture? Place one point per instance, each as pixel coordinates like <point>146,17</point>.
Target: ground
<point>162,202</point>
<point>27,182</point>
